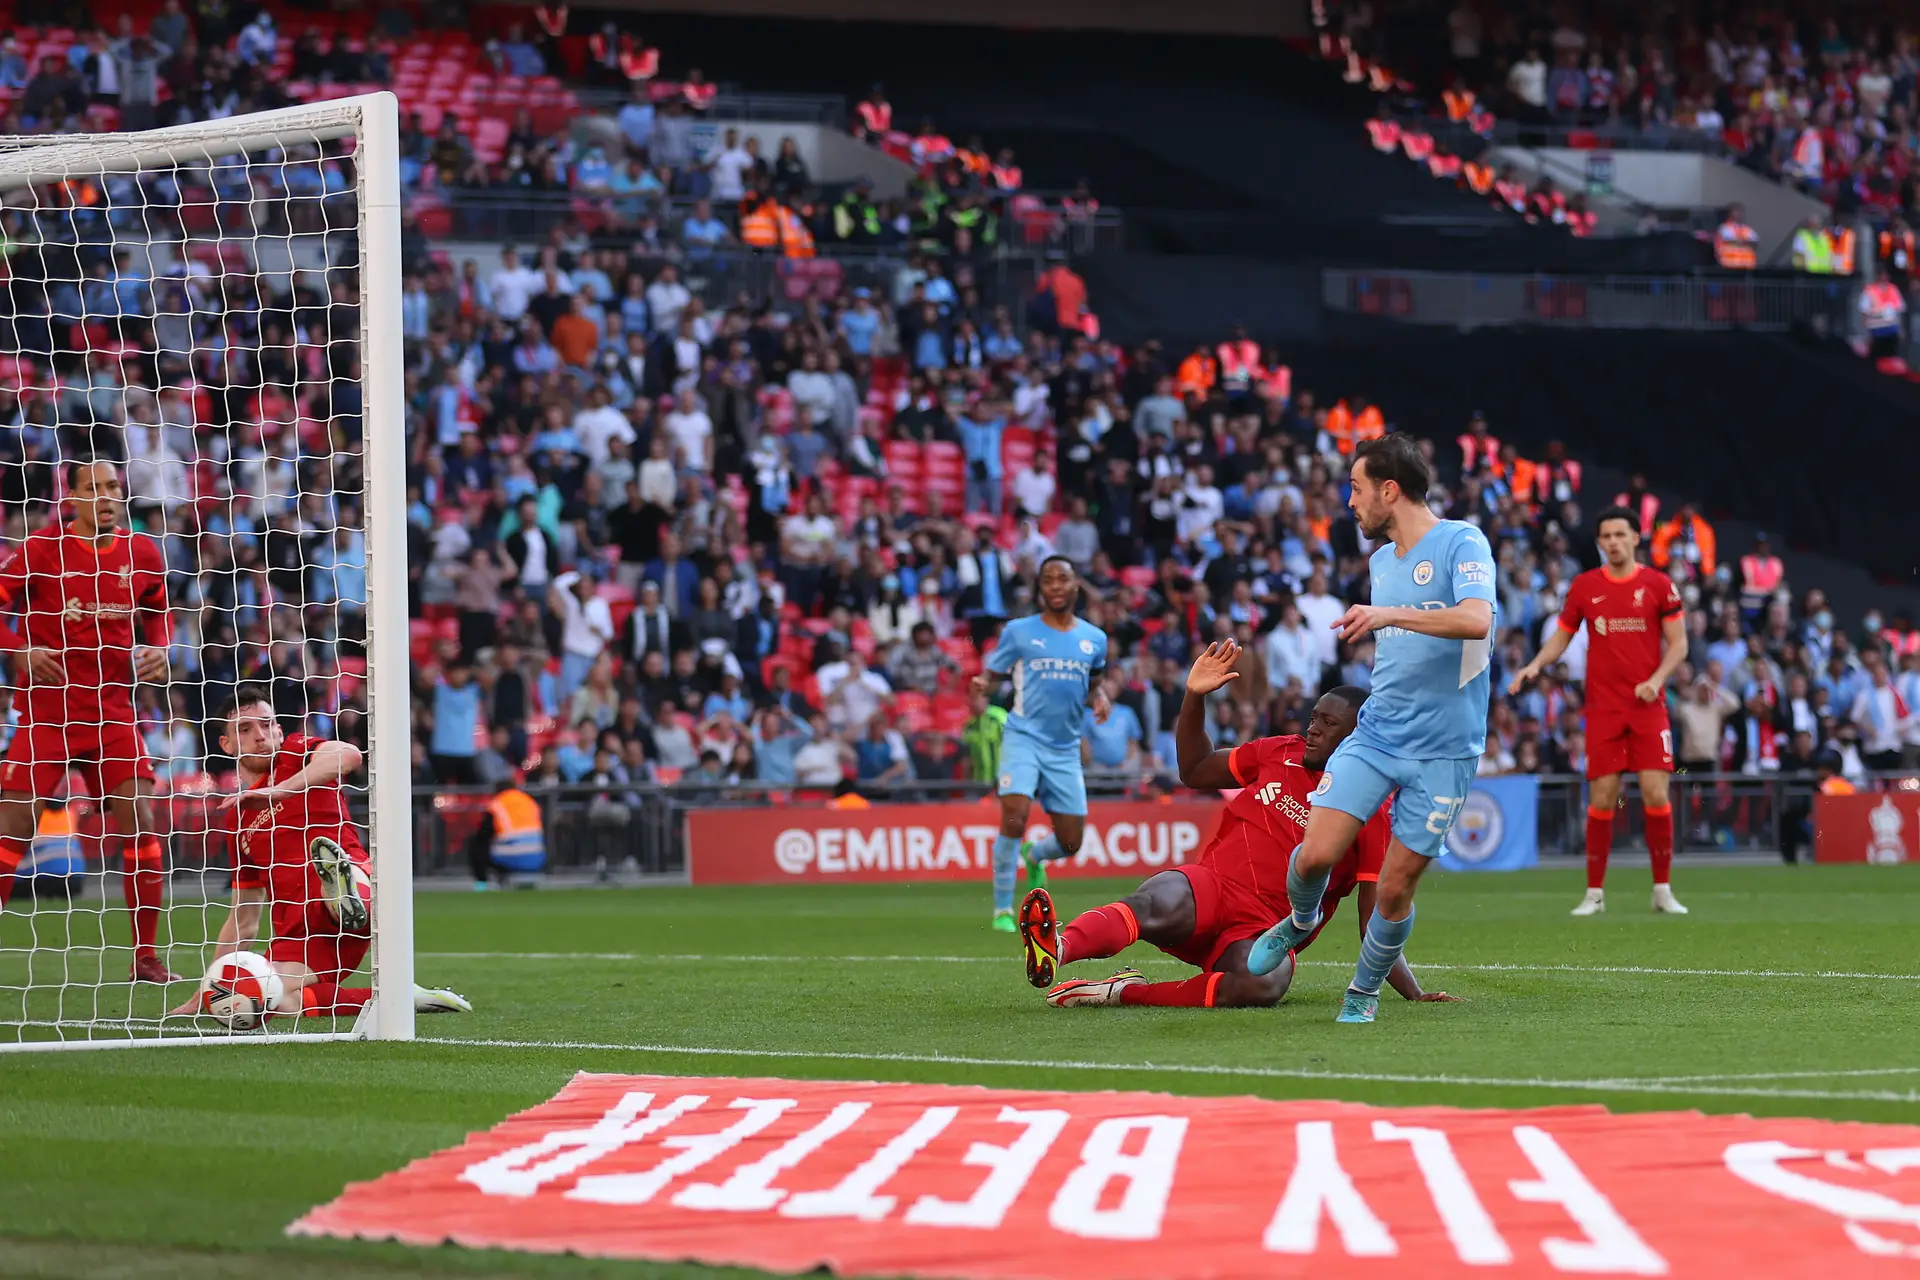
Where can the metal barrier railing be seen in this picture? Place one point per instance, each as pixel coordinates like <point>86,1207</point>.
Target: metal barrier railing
<point>1754,301</point>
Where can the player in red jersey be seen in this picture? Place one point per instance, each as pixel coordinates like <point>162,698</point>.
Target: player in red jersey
<point>1636,637</point>
<point>298,861</point>
<point>1208,913</point>
<point>82,587</point>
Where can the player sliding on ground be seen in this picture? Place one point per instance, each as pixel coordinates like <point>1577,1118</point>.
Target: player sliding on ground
<point>296,851</point>
<point>1208,913</point>
<point>1636,638</point>
<point>1419,737</point>
<point>1055,661</point>
<point>81,585</point>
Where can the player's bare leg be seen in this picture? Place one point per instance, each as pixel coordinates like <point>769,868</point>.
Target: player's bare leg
<point>1330,833</point>
<point>1657,807</point>
<point>144,875</point>
<point>1603,801</point>
<point>1069,830</point>
<point>1014,811</point>
<point>19,816</point>
<point>1387,932</point>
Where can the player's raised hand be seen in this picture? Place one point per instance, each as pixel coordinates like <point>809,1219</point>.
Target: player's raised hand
<point>254,796</point>
<point>151,664</point>
<point>44,665</point>
<point>1214,668</point>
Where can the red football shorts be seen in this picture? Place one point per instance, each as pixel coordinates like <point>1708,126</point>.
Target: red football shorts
<point>106,755</point>
<point>1631,743</point>
<point>1226,911</point>
<point>314,940</point>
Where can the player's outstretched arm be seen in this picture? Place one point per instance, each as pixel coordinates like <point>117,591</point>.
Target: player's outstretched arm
<point>331,762</point>
<point>1549,654</point>
<point>242,926</point>
<point>1471,619</point>
<point>1201,767</point>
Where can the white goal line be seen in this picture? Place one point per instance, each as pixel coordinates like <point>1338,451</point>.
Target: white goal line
<point>1013,961</point>
<point>1624,1084</point>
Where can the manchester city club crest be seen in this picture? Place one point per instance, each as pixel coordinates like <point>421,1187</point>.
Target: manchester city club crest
<point>1423,573</point>
<point>1476,832</point>
<point>1086,646</point>
<point>1326,784</point>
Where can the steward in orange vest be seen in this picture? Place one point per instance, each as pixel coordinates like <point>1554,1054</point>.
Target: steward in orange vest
<point>760,223</point>
<point>1197,374</point>
<point>873,114</point>
<point>1239,363</point>
<point>1735,244</point>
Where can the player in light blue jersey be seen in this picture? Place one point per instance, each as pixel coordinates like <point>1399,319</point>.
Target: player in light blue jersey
<point>1424,724</point>
<point>1055,661</point>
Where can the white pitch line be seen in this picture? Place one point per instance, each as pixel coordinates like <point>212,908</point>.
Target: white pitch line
<point>1624,1085</point>
<point>1850,1073</point>
<point>1011,961</point>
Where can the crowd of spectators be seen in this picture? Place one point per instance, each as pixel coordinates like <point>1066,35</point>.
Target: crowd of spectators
<point>659,537</point>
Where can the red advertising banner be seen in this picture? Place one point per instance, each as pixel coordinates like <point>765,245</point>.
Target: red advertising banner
<point>998,1184</point>
<point>909,842</point>
<point>1869,826</point>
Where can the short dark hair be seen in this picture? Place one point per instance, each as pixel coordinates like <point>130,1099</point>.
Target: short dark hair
<point>245,695</point>
<point>1061,559</point>
<point>1616,513</point>
<point>71,472</point>
<point>1397,458</point>
<point>1351,694</point>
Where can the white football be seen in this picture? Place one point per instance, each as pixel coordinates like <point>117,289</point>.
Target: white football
<point>239,990</point>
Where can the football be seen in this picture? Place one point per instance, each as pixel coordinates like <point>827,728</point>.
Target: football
<point>239,990</point>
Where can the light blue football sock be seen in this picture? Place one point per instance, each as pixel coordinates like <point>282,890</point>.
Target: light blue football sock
<point>1006,866</point>
<point>1382,946</point>
<point>1047,849</point>
<point>1305,892</point>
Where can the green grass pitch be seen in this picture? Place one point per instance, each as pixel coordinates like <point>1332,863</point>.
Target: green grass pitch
<point>1787,991</point>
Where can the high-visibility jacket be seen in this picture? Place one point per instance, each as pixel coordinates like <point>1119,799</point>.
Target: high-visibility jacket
<point>1349,430</point>
<point>57,849</point>
<point>1078,210</point>
<point>1523,479</point>
<point>1649,510</point>
<point>1681,530</point>
<point>1417,145</point>
<point>552,19</point>
<point>1481,121</point>
<point>932,148</point>
<point>1514,194</point>
<point>1385,134</point>
<point>1006,177</point>
<point>1809,153</point>
<point>1239,365</point>
<point>1277,384</point>
<point>1459,103</point>
<point>1760,574</point>
<point>760,228</point>
<point>639,64</point>
<point>1733,246</point>
<point>1556,482</point>
<point>796,238</point>
<point>1479,178</point>
<point>1836,786</point>
<point>1812,252</point>
<point>875,117</point>
<point>1582,221</point>
<point>1841,242</point>
<point>1444,164</point>
<point>1899,250</point>
<point>1881,306</point>
<point>977,163</point>
<point>519,834</point>
<point>1475,450</point>
<point>1196,374</point>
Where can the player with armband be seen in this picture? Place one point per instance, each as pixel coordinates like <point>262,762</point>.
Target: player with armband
<point>82,585</point>
<point>298,862</point>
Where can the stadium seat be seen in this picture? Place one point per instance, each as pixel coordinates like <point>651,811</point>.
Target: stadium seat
<point>913,711</point>
<point>1138,577</point>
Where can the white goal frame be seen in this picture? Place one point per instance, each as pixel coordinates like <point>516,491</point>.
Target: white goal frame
<point>373,121</point>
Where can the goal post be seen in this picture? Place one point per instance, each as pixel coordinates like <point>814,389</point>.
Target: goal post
<point>215,309</point>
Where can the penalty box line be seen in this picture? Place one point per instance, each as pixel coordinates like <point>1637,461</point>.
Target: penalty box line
<point>682,958</point>
<point>1628,1084</point>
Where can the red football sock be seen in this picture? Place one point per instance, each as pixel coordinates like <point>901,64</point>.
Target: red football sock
<point>327,999</point>
<point>1660,841</point>
<point>12,853</point>
<point>146,891</point>
<point>1192,993</point>
<point>1599,844</point>
<point>1099,933</point>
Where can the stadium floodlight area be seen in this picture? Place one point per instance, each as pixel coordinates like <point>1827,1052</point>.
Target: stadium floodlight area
<point>214,308</point>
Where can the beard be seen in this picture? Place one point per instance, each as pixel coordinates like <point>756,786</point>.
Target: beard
<point>1377,529</point>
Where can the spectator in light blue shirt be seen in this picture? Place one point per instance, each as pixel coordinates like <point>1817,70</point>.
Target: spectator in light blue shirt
<point>859,322</point>
<point>636,121</point>
<point>1115,744</point>
<point>456,721</point>
<point>702,233</point>
<point>980,436</point>
<point>777,735</point>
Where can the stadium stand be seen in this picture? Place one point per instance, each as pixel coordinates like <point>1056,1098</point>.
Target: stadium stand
<point>757,530</point>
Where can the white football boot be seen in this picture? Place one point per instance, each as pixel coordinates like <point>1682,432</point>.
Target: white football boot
<point>1593,904</point>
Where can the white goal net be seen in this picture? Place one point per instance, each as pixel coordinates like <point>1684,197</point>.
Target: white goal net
<point>203,583</point>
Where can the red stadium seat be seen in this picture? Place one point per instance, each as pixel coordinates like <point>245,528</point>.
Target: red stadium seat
<point>913,711</point>
<point>1138,577</point>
